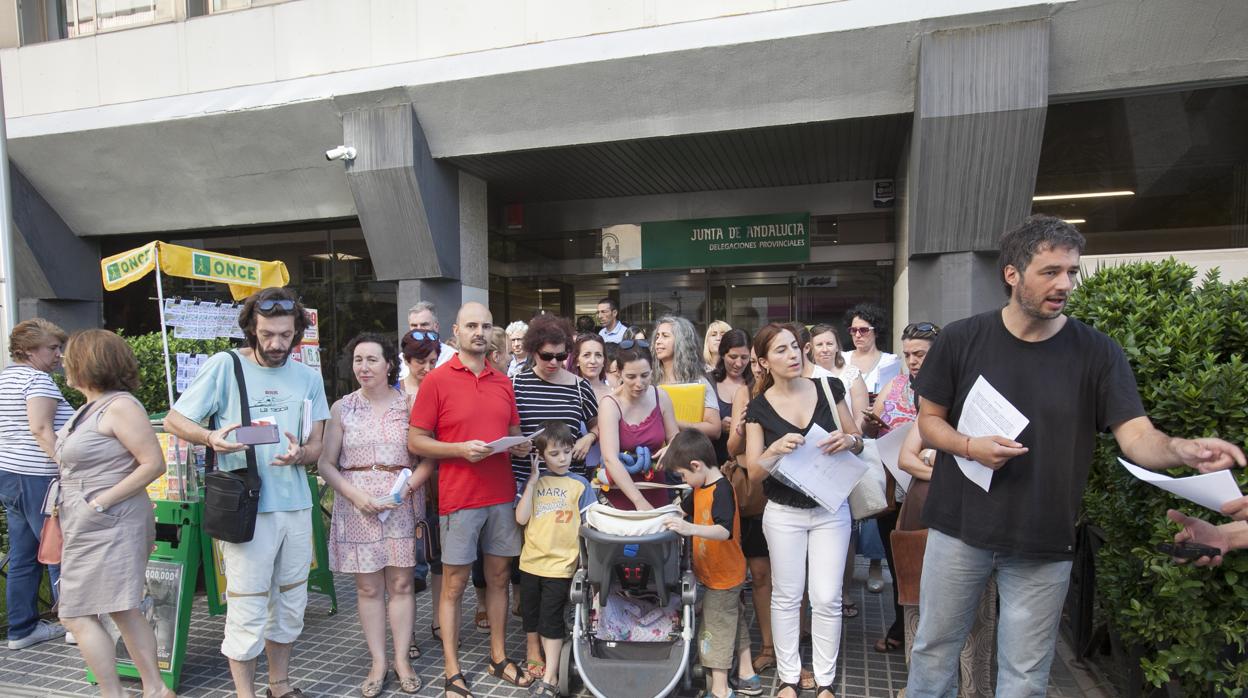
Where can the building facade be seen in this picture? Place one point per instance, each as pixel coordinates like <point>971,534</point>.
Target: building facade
<point>747,160</point>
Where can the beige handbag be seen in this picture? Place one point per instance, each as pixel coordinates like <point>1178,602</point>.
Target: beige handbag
<point>869,497</point>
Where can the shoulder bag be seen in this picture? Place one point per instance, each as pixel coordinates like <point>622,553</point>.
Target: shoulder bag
<point>868,498</point>
<point>50,539</point>
<point>909,541</point>
<point>750,498</point>
<point>232,499</point>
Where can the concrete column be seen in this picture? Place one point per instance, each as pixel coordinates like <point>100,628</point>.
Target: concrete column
<point>980,104</point>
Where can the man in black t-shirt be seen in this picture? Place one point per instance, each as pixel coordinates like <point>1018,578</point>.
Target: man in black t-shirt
<point>1071,382</point>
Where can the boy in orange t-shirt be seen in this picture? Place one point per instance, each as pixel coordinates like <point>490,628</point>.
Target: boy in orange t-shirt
<point>717,561</point>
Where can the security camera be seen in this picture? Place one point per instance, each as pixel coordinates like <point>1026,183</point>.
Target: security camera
<point>342,152</point>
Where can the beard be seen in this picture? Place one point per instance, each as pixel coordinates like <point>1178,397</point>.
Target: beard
<point>1032,304</point>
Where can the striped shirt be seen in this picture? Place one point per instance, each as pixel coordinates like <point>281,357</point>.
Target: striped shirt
<point>539,401</point>
<point>19,452</point>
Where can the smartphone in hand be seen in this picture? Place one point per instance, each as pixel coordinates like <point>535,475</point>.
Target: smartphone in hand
<point>875,419</point>
<point>1188,551</point>
<point>256,434</point>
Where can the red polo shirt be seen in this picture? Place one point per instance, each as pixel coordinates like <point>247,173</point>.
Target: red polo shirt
<point>457,406</point>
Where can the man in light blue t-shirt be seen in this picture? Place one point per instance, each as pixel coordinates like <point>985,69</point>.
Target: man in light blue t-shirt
<point>274,563</point>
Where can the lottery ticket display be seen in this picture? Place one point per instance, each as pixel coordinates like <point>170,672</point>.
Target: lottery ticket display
<point>195,319</point>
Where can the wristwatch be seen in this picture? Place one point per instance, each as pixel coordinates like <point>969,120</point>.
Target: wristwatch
<point>99,508</point>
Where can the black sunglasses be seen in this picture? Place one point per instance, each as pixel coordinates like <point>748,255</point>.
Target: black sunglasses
<point>630,343</point>
<point>270,304</point>
<point>920,327</point>
<point>561,356</point>
<point>421,335</point>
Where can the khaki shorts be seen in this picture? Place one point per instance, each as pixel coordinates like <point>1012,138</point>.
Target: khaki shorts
<point>724,629</point>
<point>494,528</point>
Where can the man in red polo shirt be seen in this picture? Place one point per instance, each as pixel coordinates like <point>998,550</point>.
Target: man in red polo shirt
<point>463,405</point>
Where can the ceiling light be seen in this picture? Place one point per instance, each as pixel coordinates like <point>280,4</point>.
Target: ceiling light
<point>1084,195</point>
<point>1074,221</point>
<point>339,256</point>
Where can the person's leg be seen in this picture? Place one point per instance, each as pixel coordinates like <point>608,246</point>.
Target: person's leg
<point>530,609</point>
<point>848,606</point>
<point>290,598</point>
<point>401,608</point>
<point>553,599</point>
<point>828,537</point>
<point>99,652</point>
<point>497,578</point>
<point>1032,593</point>
<point>760,589</point>
<point>895,635</point>
<point>481,619</point>
<point>745,658</point>
<point>140,641</point>
<point>25,520</point>
<point>954,575</point>
<point>249,567</point>
<point>717,636</point>
<point>500,541</point>
<point>460,533</point>
<point>786,530</point>
<point>370,594</point>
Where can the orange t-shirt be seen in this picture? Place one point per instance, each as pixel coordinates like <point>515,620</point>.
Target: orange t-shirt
<point>719,564</point>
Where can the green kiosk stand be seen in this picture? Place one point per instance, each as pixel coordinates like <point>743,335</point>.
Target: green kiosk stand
<point>182,550</point>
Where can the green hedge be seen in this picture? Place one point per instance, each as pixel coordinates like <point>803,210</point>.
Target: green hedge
<point>1186,342</point>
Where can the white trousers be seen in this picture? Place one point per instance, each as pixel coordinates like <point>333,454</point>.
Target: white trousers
<point>267,584</point>
<point>796,539</point>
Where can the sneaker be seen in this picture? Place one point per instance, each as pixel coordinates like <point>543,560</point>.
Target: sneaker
<point>70,639</point>
<point>43,632</point>
<point>752,686</point>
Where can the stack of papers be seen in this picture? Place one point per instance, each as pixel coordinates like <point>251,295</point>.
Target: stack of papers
<point>827,479</point>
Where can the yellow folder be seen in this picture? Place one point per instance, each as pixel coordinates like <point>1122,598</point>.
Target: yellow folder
<point>688,399</point>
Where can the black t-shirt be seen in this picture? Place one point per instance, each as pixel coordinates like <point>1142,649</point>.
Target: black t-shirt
<point>1071,386</point>
<point>774,426</point>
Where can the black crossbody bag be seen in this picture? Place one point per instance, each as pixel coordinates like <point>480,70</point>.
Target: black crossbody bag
<point>232,499</point>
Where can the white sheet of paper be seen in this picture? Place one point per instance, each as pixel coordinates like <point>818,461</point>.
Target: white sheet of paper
<point>889,446</point>
<point>404,474</point>
<point>1210,490</point>
<point>506,442</point>
<point>986,412</point>
<point>886,374</point>
<point>825,479</point>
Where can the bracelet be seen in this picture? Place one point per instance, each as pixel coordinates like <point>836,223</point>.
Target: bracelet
<point>968,448</point>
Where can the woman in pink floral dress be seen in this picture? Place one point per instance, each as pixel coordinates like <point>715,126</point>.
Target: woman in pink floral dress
<point>364,454</point>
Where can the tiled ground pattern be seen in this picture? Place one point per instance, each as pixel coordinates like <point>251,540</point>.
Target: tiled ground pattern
<point>330,659</point>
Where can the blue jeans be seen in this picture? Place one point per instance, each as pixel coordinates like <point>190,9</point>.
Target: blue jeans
<point>22,497</point>
<point>1031,594</point>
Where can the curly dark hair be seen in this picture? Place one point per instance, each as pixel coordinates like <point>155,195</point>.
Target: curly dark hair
<point>871,314</point>
<point>547,329</point>
<point>247,314</point>
<point>388,352</point>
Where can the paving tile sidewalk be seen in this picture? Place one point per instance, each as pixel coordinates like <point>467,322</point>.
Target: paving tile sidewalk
<point>330,659</point>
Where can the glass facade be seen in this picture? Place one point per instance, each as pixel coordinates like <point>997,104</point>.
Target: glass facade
<point>1150,173</point>
<point>330,268</point>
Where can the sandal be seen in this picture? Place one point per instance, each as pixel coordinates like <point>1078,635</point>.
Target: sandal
<point>292,693</point>
<point>413,650</point>
<point>482,621</point>
<point>797,688</point>
<point>885,645</point>
<point>449,687</point>
<point>807,681</point>
<point>541,689</point>
<point>849,609</point>
<point>765,659</point>
<point>825,689</point>
<point>411,684</point>
<point>372,688</point>
<point>535,669</point>
<point>518,678</point>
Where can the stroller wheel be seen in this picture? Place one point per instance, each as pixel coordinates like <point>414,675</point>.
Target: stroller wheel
<point>565,668</point>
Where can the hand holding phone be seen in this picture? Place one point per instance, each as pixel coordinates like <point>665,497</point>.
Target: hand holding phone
<point>875,419</point>
<point>256,434</point>
<point>1188,551</point>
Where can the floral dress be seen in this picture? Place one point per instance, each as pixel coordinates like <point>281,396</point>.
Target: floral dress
<point>362,543</point>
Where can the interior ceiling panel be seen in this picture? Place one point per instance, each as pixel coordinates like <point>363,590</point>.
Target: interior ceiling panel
<point>776,156</point>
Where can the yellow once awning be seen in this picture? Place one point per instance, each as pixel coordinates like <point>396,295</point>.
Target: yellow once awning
<point>244,276</point>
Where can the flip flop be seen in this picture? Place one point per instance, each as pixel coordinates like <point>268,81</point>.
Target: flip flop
<point>849,610</point>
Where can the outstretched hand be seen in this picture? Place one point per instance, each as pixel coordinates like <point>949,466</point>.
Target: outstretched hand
<point>1208,455</point>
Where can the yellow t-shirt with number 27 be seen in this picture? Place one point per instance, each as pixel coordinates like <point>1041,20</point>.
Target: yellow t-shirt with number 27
<point>552,536</point>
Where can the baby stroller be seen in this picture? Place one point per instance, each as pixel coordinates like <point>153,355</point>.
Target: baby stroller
<point>628,555</point>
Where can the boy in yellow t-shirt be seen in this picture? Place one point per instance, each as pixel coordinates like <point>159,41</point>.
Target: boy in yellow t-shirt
<point>550,510</point>
<point>717,561</point>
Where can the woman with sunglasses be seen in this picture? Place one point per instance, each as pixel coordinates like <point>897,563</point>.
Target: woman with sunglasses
<point>866,322</point>
<point>548,391</point>
<point>420,351</point>
<point>896,406</point>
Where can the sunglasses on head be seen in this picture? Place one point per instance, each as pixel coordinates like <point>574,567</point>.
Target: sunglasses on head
<point>919,327</point>
<point>630,343</point>
<point>421,335</point>
<point>270,304</point>
<point>861,330</point>
<point>544,356</point>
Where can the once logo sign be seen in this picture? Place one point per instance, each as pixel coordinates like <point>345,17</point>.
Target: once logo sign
<point>224,269</point>
<point>123,267</point>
